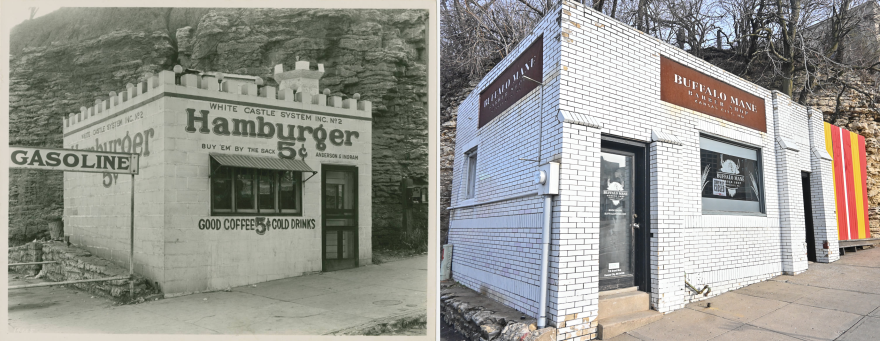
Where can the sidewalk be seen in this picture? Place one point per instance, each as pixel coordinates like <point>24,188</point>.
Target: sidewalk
<point>318,304</point>
<point>837,301</point>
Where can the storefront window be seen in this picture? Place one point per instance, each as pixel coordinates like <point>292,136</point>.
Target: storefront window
<point>287,191</point>
<point>255,191</point>
<point>244,190</point>
<point>266,190</point>
<point>221,187</point>
<point>732,181</point>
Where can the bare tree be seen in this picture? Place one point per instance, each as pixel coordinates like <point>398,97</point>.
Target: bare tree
<point>476,34</point>
<point>33,11</point>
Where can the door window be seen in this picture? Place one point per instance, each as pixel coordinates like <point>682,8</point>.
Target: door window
<point>616,235</point>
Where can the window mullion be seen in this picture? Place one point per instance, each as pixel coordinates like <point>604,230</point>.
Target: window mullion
<point>234,173</point>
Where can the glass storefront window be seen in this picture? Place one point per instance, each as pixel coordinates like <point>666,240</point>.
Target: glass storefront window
<point>255,191</point>
<point>289,191</point>
<point>731,178</point>
<point>266,191</point>
<point>221,187</point>
<point>244,189</point>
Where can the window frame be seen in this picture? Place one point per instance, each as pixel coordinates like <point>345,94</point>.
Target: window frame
<point>470,185</point>
<point>759,168</point>
<point>256,177</point>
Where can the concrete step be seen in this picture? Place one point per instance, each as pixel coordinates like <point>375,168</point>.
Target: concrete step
<point>622,303</point>
<point>613,326</point>
<point>617,291</point>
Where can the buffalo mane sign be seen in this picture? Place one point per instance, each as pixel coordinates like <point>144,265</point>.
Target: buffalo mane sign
<point>689,88</point>
<point>510,86</point>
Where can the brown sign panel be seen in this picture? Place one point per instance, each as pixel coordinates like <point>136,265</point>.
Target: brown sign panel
<point>689,88</point>
<point>510,86</point>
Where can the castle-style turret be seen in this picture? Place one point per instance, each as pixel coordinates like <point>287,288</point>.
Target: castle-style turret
<point>302,79</point>
<point>298,88</point>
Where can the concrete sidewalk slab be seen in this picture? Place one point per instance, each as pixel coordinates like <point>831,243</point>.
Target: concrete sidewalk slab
<point>685,325</point>
<point>316,304</point>
<point>749,332</point>
<point>848,301</point>
<point>875,313</point>
<point>777,290</point>
<point>808,323</point>
<point>836,301</point>
<point>867,329</point>
<point>737,307</point>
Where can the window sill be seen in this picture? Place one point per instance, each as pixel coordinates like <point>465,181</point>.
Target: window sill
<point>748,214</point>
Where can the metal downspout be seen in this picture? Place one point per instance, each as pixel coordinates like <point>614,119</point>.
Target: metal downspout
<point>545,260</point>
<point>548,219</point>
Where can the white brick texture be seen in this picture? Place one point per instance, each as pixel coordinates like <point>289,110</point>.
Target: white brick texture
<point>602,78</point>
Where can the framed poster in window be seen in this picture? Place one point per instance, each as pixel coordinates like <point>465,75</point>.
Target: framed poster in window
<point>731,178</point>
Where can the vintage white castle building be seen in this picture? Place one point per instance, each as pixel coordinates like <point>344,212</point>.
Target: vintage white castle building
<point>239,183</point>
<point>663,173</point>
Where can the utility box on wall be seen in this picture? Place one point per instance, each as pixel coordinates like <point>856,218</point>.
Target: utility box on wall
<point>547,179</point>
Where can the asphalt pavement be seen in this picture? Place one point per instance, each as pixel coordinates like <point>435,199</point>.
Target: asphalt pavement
<point>320,304</point>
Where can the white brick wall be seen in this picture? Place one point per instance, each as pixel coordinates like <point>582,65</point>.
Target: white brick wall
<point>494,253</point>
<point>173,187</point>
<point>822,191</point>
<point>602,71</point>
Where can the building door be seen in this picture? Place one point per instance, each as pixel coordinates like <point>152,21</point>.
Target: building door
<point>808,217</point>
<point>623,228</point>
<point>339,193</point>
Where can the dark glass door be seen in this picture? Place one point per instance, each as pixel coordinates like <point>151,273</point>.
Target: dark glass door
<point>616,220</point>
<point>808,217</point>
<point>624,224</point>
<point>339,192</point>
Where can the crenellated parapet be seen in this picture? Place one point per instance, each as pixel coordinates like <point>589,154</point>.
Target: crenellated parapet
<point>298,90</point>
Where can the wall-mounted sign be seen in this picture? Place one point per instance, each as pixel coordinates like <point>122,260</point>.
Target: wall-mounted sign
<point>291,138</point>
<point>510,86</point>
<point>257,224</point>
<point>72,160</point>
<point>689,88</point>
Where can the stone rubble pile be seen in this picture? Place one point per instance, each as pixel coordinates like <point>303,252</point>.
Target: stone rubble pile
<point>480,319</point>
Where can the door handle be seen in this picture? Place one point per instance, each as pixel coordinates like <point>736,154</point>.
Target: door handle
<point>636,225</point>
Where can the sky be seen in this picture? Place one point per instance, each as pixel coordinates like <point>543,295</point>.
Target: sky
<point>20,14</point>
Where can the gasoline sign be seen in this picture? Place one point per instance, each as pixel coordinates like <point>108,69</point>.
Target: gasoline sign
<point>71,160</point>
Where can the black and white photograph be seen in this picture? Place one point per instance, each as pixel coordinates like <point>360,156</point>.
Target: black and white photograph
<point>244,169</point>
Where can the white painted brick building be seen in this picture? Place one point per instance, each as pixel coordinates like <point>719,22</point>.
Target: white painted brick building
<point>238,183</point>
<point>602,88</point>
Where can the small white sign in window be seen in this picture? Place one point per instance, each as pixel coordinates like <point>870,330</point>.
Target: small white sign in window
<point>612,266</point>
<point>719,187</point>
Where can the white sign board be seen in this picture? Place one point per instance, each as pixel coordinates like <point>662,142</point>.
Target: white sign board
<point>72,160</point>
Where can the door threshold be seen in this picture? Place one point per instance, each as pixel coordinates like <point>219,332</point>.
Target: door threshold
<point>618,291</point>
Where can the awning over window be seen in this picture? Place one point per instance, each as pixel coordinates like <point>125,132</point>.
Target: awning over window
<point>274,163</point>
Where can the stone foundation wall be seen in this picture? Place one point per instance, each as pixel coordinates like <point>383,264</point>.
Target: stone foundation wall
<point>78,264</point>
<point>31,252</point>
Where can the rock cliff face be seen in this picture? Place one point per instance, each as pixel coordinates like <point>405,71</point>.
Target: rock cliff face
<point>68,58</point>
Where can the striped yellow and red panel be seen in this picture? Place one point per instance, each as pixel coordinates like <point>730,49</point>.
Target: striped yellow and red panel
<point>850,181</point>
